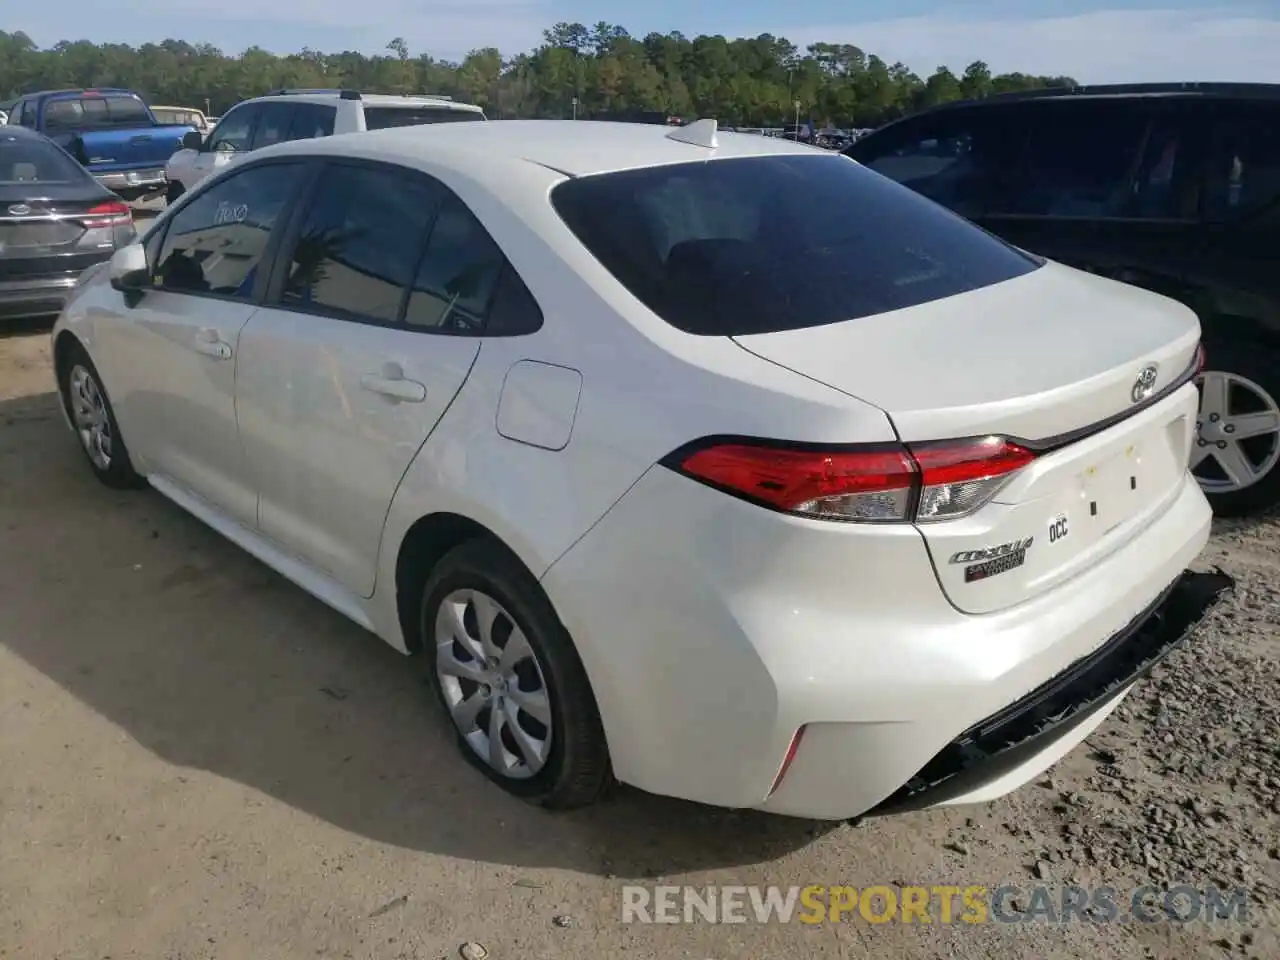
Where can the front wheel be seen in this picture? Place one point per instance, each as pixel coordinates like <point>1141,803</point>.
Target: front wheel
<point>95,422</point>
<point>1236,453</point>
<point>506,672</point>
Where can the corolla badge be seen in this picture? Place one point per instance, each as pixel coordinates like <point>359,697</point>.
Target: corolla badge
<point>1145,385</point>
<point>19,210</point>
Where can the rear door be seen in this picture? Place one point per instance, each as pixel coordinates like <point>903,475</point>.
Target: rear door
<point>372,326</point>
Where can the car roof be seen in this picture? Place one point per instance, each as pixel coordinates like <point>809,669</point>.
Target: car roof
<point>22,133</point>
<point>573,148</point>
<point>368,99</point>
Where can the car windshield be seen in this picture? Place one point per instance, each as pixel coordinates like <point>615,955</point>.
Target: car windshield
<point>74,112</point>
<point>762,244</point>
<point>380,118</point>
<point>24,160</point>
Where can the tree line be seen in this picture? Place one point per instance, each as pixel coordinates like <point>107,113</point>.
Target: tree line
<point>595,71</point>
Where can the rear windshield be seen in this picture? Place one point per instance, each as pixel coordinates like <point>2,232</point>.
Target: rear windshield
<point>379,118</point>
<point>67,113</point>
<point>762,244</point>
<point>23,160</point>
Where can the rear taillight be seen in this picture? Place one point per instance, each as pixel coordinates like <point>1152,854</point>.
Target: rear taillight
<point>113,213</point>
<point>1201,359</point>
<point>884,483</point>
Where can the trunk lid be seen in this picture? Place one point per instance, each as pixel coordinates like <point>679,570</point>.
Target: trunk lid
<point>1052,359</point>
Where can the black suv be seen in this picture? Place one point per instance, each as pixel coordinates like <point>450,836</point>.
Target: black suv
<point>1173,187</point>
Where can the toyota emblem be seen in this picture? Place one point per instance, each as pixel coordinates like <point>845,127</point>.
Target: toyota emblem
<point>1145,385</point>
<point>19,210</point>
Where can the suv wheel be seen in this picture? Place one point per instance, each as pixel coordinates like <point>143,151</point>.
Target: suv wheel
<point>1236,453</point>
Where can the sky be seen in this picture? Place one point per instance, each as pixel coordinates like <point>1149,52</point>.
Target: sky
<point>1095,41</point>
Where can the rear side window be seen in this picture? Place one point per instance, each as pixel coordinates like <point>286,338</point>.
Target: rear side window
<point>458,274</point>
<point>762,244</point>
<point>35,161</point>
<point>359,243</point>
<point>71,112</point>
<point>1081,160</point>
<point>1244,165</point>
<point>379,118</point>
<point>273,124</point>
<point>311,120</point>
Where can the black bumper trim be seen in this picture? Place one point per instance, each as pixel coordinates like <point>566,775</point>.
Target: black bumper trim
<point>1006,739</point>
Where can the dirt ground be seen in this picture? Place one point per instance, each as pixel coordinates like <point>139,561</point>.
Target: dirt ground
<point>198,760</point>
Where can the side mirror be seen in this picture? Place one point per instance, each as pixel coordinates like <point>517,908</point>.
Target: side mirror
<point>191,140</point>
<point>128,269</point>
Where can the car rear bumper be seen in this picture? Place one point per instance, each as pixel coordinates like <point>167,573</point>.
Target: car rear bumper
<point>712,631</point>
<point>30,298</point>
<point>150,178</point>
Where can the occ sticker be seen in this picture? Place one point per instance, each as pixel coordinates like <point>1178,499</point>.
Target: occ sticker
<point>1058,528</point>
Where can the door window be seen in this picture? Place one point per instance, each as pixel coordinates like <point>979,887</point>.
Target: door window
<point>273,124</point>
<point>954,158</point>
<point>311,120</point>
<point>1244,165</point>
<point>1081,160</point>
<point>215,243</point>
<point>1168,183</point>
<point>232,134</point>
<point>359,243</point>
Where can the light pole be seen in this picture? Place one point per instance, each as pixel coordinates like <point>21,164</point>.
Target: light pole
<point>575,108</point>
<point>797,119</point>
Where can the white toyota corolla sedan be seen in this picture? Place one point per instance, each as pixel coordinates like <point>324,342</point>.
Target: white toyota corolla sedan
<point>709,463</point>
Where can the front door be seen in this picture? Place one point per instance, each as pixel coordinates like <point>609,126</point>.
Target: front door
<point>178,346</point>
<point>229,142</point>
<point>365,341</point>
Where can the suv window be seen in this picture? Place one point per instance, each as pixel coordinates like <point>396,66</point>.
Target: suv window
<point>273,124</point>
<point>233,132</point>
<point>761,244</point>
<point>380,118</point>
<point>1244,161</point>
<point>215,242</point>
<point>1080,161</point>
<point>311,120</point>
<point>359,243</point>
<point>953,158</point>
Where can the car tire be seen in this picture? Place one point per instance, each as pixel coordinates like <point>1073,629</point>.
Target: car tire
<point>94,421</point>
<point>562,764</point>
<point>173,192</point>
<point>1251,375</point>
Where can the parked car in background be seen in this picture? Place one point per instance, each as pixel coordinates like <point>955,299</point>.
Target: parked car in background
<point>4,118</point>
<point>712,462</point>
<point>110,131</point>
<point>56,221</point>
<point>186,116</point>
<point>300,115</point>
<point>1172,187</point>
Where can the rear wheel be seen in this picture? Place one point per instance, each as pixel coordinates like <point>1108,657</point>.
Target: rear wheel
<point>507,674</point>
<point>1236,453</point>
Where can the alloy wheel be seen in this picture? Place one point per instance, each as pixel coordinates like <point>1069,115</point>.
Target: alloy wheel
<point>89,411</point>
<point>493,684</point>
<point>1237,433</point>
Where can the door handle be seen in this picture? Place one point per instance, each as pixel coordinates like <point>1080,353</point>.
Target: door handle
<point>397,388</point>
<point>208,343</point>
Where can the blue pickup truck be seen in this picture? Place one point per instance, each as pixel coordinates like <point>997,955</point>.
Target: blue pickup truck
<point>111,131</point>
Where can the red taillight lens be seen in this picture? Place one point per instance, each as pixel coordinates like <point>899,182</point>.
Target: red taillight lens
<point>922,482</point>
<point>113,213</point>
<point>1201,359</point>
<point>792,749</point>
<point>872,484</point>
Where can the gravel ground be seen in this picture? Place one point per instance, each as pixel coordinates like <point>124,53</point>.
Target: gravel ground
<point>200,761</point>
